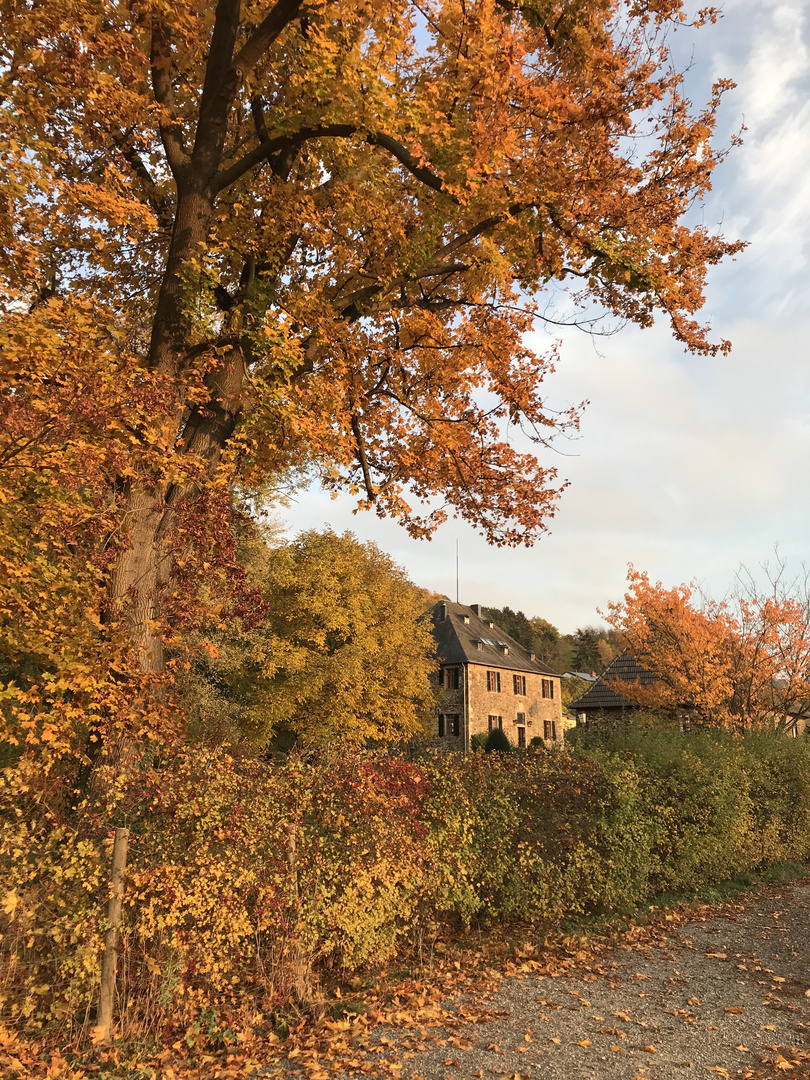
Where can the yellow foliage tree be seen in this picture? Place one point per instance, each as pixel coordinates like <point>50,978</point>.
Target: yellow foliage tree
<point>339,655</point>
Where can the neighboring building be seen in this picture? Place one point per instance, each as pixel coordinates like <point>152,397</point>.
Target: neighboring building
<point>603,703</point>
<point>487,680</point>
<point>604,700</point>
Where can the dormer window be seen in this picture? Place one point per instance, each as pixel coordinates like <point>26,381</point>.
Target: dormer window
<point>466,620</point>
<point>504,648</point>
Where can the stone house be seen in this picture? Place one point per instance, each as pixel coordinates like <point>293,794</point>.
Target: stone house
<point>487,679</point>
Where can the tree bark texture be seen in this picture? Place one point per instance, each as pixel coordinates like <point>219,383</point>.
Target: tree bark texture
<point>109,960</point>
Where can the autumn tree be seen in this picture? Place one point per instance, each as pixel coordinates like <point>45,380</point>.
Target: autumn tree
<point>734,663</point>
<point>686,644</point>
<point>246,235</point>
<point>340,654</point>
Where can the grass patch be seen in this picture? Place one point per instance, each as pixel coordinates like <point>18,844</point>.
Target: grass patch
<point>343,1010</point>
<point>607,920</point>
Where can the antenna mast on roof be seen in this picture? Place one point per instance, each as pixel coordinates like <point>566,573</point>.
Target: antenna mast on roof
<point>456,571</point>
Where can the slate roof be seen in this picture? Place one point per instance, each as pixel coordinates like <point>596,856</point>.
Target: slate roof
<point>604,693</point>
<point>456,641</point>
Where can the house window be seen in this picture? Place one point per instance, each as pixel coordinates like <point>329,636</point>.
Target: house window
<point>495,722</point>
<point>449,678</point>
<point>521,718</point>
<point>521,733</point>
<point>548,688</point>
<point>449,724</point>
<point>494,681</point>
<point>550,730</point>
<point>519,682</point>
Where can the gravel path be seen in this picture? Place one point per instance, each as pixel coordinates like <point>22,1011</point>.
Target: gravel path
<point>723,994</point>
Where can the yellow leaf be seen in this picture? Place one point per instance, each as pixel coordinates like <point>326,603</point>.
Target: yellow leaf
<point>10,902</point>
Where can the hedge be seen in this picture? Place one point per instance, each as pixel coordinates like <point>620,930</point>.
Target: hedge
<point>246,874</point>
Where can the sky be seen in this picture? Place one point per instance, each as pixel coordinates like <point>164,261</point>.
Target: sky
<point>684,466</point>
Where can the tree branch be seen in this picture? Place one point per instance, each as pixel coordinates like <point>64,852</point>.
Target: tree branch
<point>170,131</point>
<point>406,158</point>
<point>279,143</point>
<point>270,146</point>
<point>154,197</point>
<point>219,89</point>
<point>361,457</point>
<point>279,16</point>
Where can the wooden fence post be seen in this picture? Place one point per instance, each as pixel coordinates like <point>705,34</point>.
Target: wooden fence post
<point>106,997</point>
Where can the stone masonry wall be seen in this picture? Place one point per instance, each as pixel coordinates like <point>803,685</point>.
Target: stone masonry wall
<point>485,703</point>
<point>450,703</point>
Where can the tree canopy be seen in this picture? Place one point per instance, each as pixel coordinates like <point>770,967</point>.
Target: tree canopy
<point>732,663</point>
<point>245,236</point>
<point>339,655</point>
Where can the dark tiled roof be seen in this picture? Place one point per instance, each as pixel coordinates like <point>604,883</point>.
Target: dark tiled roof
<point>604,693</point>
<point>456,641</point>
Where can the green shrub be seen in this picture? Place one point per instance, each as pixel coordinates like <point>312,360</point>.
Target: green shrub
<point>497,739</point>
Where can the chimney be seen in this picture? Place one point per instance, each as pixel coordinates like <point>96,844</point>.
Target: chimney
<point>532,655</point>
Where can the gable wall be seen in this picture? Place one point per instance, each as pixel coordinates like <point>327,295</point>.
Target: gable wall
<point>508,704</point>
